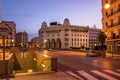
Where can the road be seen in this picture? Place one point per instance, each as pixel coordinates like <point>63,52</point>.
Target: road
<point>78,65</point>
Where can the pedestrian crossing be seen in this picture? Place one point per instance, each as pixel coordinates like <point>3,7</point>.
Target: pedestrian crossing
<point>95,74</point>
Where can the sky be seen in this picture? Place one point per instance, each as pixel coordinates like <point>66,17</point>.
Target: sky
<point>28,15</point>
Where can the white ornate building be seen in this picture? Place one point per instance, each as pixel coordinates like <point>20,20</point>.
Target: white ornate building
<point>63,35</point>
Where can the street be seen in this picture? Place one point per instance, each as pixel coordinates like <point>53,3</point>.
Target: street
<point>79,66</point>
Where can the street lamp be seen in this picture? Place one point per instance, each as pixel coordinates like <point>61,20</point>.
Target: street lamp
<point>12,42</point>
<point>45,41</point>
<point>107,6</point>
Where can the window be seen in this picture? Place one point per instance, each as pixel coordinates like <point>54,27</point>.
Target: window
<point>66,34</point>
<point>106,24</point>
<point>112,1</point>
<point>66,30</point>
<point>111,11</point>
<point>106,13</point>
<point>83,40</point>
<point>75,39</point>
<point>106,1</point>
<point>66,44</point>
<point>66,39</point>
<point>72,39</point>
<point>111,23</point>
<point>119,20</point>
<point>53,35</point>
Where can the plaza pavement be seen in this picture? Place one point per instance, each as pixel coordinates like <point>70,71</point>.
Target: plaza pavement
<point>52,75</point>
<point>42,76</point>
<point>112,56</point>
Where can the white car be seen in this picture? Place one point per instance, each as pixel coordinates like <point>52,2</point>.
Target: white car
<point>91,53</point>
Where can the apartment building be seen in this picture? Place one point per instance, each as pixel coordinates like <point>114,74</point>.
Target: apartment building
<point>11,38</point>
<point>22,39</point>
<point>35,42</point>
<point>93,37</point>
<point>111,24</point>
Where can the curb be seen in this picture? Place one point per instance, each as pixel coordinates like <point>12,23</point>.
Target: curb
<point>31,73</point>
<point>117,58</point>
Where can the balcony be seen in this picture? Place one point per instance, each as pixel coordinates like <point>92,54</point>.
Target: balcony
<point>114,25</point>
<point>113,38</point>
<point>117,37</point>
<point>113,13</point>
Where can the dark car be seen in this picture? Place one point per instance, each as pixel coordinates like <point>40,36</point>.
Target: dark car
<point>91,53</point>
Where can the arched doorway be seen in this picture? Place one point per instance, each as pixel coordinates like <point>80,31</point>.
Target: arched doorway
<point>48,43</point>
<point>53,43</point>
<point>58,43</point>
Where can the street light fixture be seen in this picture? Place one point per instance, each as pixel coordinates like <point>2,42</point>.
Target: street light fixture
<point>107,6</point>
<point>12,42</point>
<point>45,41</point>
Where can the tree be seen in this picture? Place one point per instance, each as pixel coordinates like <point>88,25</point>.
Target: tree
<point>102,37</point>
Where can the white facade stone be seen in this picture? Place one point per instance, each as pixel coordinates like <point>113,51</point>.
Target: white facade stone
<point>64,36</point>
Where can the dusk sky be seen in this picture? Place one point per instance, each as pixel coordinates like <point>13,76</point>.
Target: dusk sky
<point>29,14</point>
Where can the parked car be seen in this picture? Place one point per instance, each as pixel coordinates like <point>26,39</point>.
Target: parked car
<point>91,53</point>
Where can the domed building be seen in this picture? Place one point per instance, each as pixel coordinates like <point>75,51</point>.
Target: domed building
<point>63,36</point>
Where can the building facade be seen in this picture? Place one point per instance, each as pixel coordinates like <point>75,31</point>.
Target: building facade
<point>93,37</point>
<point>11,38</point>
<point>22,39</point>
<point>35,42</point>
<point>63,35</point>
<point>111,24</point>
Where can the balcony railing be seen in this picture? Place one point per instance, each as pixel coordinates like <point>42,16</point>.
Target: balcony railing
<point>112,13</point>
<point>112,38</point>
<point>113,25</point>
